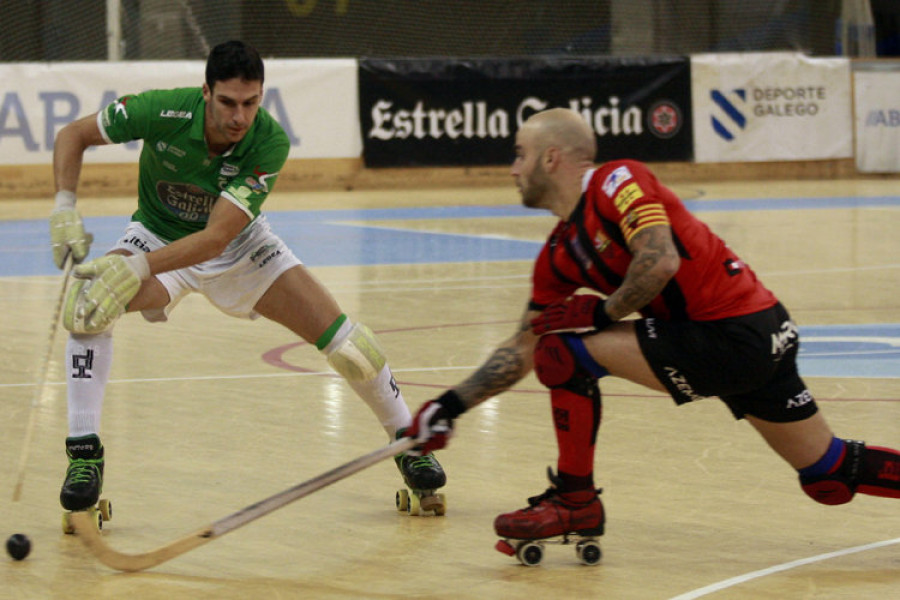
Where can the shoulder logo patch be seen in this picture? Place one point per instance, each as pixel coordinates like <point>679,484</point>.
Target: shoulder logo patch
<point>615,179</point>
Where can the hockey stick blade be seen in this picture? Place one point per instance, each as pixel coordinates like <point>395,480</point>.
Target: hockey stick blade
<point>91,537</point>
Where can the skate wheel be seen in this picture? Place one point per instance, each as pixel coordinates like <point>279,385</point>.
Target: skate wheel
<point>588,552</point>
<point>432,503</point>
<point>105,508</point>
<point>98,519</point>
<point>413,508</point>
<point>505,547</point>
<point>67,527</point>
<point>402,499</point>
<point>530,554</point>
<point>441,509</point>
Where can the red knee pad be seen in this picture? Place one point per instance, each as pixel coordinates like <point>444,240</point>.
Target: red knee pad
<point>554,362</point>
<point>831,492</point>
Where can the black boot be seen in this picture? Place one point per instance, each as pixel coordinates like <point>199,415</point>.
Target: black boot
<point>84,477</point>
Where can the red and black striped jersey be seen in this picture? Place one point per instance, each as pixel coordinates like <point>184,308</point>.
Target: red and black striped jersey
<point>590,250</point>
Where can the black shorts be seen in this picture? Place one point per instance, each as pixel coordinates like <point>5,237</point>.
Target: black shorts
<point>750,362</point>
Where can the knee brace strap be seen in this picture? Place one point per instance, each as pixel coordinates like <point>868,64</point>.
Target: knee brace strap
<point>562,361</point>
<point>837,484</point>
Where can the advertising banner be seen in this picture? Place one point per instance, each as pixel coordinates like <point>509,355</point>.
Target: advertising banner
<point>877,98</point>
<point>314,100</point>
<point>420,112</point>
<point>770,106</point>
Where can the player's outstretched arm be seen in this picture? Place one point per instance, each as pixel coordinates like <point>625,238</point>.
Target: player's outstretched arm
<point>507,365</point>
<point>225,222</point>
<point>512,360</point>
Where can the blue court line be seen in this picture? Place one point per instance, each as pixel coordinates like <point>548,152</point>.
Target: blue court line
<point>324,238</point>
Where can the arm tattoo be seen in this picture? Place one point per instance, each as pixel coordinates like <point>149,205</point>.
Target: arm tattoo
<point>644,280</point>
<point>509,363</point>
<point>500,372</point>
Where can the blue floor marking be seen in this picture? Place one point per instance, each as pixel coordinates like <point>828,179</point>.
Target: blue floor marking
<point>325,238</point>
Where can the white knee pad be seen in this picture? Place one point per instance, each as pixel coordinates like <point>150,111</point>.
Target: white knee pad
<point>359,357</point>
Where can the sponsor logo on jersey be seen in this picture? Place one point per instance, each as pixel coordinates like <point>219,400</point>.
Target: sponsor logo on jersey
<point>601,242</point>
<point>120,106</point>
<point>733,266</point>
<point>629,194</point>
<point>186,201</point>
<point>615,179</point>
<point>578,250</point>
<point>262,179</point>
<point>229,170</point>
<point>241,194</point>
<point>176,114</point>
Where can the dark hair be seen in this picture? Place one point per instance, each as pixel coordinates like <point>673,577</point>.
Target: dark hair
<point>233,59</point>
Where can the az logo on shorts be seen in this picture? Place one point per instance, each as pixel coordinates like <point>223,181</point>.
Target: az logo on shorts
<point>800,399</point>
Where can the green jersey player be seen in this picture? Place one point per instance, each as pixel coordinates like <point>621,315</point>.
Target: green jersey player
<point>210,158</point>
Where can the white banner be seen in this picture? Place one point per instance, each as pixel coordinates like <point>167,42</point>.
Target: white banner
<point>770,106</point>
<point>315,100</point>
<point>877,97</point>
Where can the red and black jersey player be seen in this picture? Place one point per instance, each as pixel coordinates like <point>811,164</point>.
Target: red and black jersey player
<point>708,327</point>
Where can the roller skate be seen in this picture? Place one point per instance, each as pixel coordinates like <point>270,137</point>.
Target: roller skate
<point>554,517</point>
<point>84,482</point>
<point>423,475</point>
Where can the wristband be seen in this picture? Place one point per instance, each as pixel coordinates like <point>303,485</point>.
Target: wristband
<point>452,403</point>
<point>138,262</point>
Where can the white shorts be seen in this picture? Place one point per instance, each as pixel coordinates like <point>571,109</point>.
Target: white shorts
<point>233,282</point>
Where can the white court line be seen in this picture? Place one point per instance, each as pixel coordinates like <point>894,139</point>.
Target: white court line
<point>247,376</point>
<point>727,583</point>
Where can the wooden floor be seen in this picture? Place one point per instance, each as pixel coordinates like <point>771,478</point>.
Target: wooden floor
<point>207,414</point>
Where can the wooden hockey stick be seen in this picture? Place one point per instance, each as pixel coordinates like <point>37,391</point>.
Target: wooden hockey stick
<point>87,530</point>
<point>42,381</point>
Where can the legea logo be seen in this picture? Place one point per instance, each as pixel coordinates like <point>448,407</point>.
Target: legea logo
<point>727,118</point>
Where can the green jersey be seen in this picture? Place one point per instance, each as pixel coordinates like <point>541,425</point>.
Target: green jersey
<point>178,181</point>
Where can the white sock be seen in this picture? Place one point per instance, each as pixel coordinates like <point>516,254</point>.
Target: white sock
<point>88,362</point>
<point>385,399</point>
<point>381,394</point>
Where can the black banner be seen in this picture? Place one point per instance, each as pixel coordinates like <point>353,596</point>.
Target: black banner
<point>442,112</point>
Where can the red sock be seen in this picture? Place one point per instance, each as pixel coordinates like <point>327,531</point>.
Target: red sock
<point>879,474</point>
<point>577,419</point>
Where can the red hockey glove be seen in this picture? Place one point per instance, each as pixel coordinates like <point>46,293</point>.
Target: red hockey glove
<point>582,311</point>
<point>432,427</point>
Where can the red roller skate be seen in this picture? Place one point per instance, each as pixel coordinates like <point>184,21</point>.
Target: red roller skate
<point>554,517</point>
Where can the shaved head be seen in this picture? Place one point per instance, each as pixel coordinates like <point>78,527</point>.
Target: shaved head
<point>554,149</point>
<point>565,129</point>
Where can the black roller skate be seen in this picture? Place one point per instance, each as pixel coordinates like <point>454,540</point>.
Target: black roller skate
<point>423,475</point>
<point>84,482</point>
